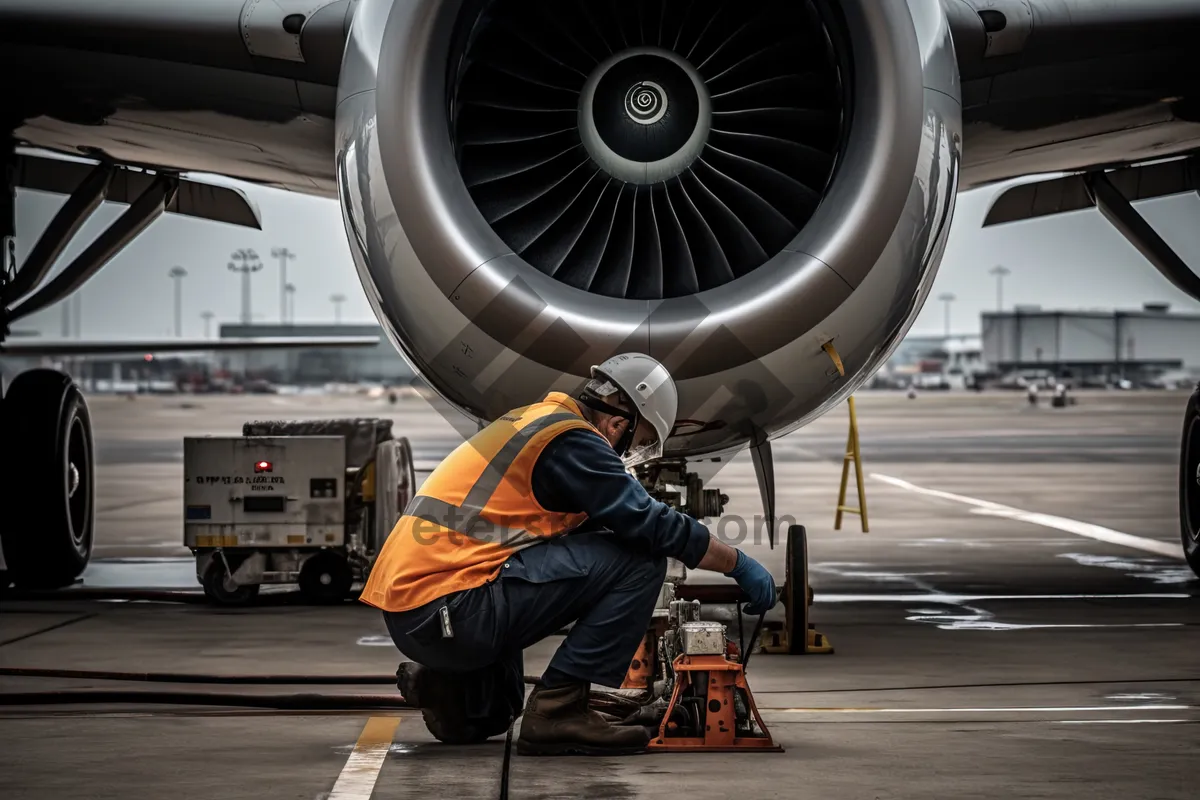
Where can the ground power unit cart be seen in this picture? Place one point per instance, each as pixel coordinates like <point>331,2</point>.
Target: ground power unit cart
<point>306,503</point>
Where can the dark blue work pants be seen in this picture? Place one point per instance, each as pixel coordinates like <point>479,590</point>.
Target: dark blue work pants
<point>607,589</point>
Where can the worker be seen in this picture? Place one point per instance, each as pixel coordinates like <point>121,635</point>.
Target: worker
<point>532,524</point>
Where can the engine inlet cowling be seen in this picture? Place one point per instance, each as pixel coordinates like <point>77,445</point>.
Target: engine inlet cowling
<point>650,149</point>
<point>530,187</point>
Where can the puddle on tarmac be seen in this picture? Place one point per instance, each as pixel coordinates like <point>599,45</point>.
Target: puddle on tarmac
<point>938,542</point>
<point>850,569</point>
<point>375,641</point>
<point>969,618</point>
<point>141,573</point>
<point>985,544</point>
<point>1159,570</point>
<point>1140,696</point>
<point>397,749</point>
<point>955,612</point>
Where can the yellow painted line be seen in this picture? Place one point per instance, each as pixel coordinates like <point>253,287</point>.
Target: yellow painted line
<point>357,779</point>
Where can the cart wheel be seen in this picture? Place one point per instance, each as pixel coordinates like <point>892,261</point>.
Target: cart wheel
<point>224,592</point>
<point>407,485</point>
<point>325,578</point>
<point>796,592</point>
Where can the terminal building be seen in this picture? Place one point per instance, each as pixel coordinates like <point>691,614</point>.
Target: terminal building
<point>935,362</point>
<point>1149,347</point>
<point>378,364</point>
<point>1092,345</point>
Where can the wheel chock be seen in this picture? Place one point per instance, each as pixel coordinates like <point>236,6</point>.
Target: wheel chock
<point>818,643</point>
<point>774,640</point>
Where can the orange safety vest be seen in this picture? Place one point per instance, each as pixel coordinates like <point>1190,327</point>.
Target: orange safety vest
<point>474,511</point>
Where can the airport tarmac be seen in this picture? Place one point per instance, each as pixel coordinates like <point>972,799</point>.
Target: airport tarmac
<point>1018,622</point>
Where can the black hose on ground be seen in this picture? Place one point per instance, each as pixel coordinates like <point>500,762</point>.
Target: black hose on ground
<point>184,677</point>
<point>136,595</point>
<point>188,677</point>
<point>505,769</point>
<point>387,680</point>
<point>286,702</point>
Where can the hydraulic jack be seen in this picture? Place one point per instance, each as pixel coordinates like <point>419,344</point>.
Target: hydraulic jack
<point>700,700</point>
<point>722,716</point>
<point>686,681</point>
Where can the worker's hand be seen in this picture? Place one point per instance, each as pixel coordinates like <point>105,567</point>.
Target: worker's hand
<point>756,582</point>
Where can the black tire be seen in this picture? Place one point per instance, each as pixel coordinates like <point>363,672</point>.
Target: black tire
<point>408,475</point>
<point>795,590</point>
<point>49,483</point>
<point>220,593</point>
<point>1189,482</point>
<point>326,578</point>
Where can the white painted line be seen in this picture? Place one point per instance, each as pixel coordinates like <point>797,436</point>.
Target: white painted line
<point>357,779</point>
<point>1085,529</point>
<point>1118,721</point>
<point>959,599</point>
<point>995,710</point>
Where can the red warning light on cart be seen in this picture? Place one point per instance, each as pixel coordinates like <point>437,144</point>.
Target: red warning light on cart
<point>263,466</point>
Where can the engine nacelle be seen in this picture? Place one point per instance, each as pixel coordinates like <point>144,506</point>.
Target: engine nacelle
<point>531,186</point>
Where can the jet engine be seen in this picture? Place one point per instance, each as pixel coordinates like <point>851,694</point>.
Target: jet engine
<point>531,186</point>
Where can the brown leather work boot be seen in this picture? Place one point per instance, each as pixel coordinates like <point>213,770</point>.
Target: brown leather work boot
<point>558,722</point>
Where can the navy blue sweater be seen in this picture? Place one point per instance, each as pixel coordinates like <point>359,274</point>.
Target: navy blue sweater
<point>579,471</point>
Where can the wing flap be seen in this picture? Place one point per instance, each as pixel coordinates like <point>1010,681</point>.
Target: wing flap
<point>61,175</point>
<point>1061,195</point>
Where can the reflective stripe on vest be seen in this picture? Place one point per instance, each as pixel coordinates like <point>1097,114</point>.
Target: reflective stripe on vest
<point>468,519</point>
<point>442,513</point>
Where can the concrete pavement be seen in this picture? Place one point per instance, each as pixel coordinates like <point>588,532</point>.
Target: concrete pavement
<point>994,636</point>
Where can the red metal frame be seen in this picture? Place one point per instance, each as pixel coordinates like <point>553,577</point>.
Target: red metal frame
<point>720,730</point>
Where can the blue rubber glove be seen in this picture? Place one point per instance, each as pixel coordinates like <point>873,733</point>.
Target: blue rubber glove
<point>756,582</point>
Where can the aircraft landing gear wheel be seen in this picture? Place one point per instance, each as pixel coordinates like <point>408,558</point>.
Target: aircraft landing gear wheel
<point>48,481</point>
<point>221,590</point>
<point>326,578</point>
<point>796,592</point>
<point>1189,483</point>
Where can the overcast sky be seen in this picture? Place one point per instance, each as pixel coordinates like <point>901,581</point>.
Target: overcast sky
<point>1073,261</point>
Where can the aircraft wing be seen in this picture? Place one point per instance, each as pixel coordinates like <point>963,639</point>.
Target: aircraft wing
<point>1062,194</point>
<point>36,347</point>
<point>1113,192</point>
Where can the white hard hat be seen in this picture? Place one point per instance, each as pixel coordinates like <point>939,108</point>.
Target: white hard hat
<point>650,387</point>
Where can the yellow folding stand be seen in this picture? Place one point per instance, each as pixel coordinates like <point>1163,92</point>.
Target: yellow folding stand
<point>852,455</point>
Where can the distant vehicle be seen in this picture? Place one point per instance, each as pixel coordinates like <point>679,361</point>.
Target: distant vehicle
<point>259,386</point>
<point>1022,380</point>
<point>1175,379</point>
